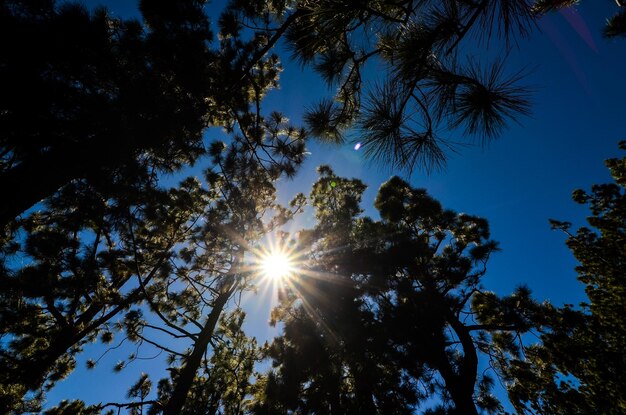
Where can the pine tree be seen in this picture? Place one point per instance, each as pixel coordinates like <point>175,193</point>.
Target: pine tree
<point>222,383</point>
<point>389,313</point>
<point>84,263</point>
<point>102,243</point>
<point>578,366</point>
<point>126,101</point>
<point>428,83</point>
<point>87,96</point>
<point>248,192</point>
<point>203,273</point>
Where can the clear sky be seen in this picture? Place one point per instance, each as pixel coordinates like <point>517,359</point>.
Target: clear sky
<point>517,182</point>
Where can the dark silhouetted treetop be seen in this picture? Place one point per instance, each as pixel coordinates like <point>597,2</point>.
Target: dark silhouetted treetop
<point>430,92</point>
<point>578,367</point>
<point>95,252</point>
<point>616,24</point>
<point>88,96</point>
<point>85,94</point>
<point>389,316</point>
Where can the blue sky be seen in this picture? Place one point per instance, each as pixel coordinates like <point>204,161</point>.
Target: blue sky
<point>527,175</point>
<point>517,182</point>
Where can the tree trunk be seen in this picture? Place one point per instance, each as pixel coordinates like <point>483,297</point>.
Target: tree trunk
<point>363,388</point>
<point>193,362</point>
<point>461,385</point>
<point>462,397</point>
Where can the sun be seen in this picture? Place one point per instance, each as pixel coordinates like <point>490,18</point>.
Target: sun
<point>276,265</point>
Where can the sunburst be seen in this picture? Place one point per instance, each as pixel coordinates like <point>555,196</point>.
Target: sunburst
<point>276,265</point>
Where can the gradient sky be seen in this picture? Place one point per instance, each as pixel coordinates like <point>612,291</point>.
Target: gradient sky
<point>517,182</point>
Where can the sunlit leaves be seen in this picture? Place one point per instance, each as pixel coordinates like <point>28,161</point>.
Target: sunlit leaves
<point>224,379</point>
<point>141,388</point>
<point>74,407</point>
<point>336,199</point>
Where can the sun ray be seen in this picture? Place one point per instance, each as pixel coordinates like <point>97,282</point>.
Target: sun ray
<point>285,273</point>
<point>275,262</point>
<point>276,265</point>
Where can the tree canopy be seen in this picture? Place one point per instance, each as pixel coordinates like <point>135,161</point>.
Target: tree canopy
<point>115,99</point>
<point>388,316</point>
<point>120,102</point>
<point>127,95</point>
<point>383,315</point>
<point>577,368</point>
<point>432,94</point>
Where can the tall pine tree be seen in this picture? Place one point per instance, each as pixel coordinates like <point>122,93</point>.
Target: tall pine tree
<point>388,315</point>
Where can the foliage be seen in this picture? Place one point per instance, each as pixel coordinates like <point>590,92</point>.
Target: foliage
<point>388,313</point>
<point>84,262</point>
<point>164,258</point>
<point>428,84</point>
<point>108,103</point>
<point>73,408</point>
<point>120,105</point>
<point>379,320</point>
<point>578,367</point>
<point>223,382</point>
<point>114,97</point>
<point>616,25</point>
<point>214,267</point>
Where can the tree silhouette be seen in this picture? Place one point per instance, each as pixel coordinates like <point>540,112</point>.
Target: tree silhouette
<point>390,312</point>
<point>87,96</point>
<point>430,88</point>
<point>216,260</point>
<point>93,256</point>
<point>95,108</point>
<point>223,382</point>
<point>578,366</point>
<point>118,106</point>
<point>184,299</point>
<point>84,262</point>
